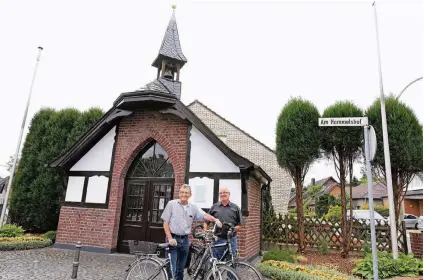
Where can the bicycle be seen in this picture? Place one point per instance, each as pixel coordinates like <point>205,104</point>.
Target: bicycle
<point>244,270</point>
<point>158,268</point>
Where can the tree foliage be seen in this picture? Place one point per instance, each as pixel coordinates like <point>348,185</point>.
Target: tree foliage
<point>313,190</point>
<point>343,145</point>
<point>383,211</point>
<point>268,209</point>
<point>405,143</point>
<point>355,182</point>
<point>323,203</point>
<point>37,189</point>
<point>297,147</point>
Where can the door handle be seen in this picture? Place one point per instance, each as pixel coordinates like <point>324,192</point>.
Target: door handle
<point>148,216</point>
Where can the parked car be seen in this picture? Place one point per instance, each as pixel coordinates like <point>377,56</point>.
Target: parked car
<point>411,221</point>
<point>420,223</point>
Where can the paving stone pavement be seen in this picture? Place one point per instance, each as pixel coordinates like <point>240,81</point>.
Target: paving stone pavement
<point>56,264</point>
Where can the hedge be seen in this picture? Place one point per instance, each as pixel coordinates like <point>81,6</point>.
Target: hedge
<point>23,243</point>
<point>283,270</point>
<point>38,190</point>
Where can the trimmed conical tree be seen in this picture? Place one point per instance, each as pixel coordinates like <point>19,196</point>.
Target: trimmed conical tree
<point>297,147</point>
<point>405,143</point>
<point>343,146</point>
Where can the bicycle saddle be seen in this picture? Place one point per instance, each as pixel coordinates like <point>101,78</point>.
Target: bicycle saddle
<point>163,245</point>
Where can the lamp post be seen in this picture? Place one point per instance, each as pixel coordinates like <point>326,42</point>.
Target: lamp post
<point>18,146</point>
<point>414,81</point>
<point>393,231</point>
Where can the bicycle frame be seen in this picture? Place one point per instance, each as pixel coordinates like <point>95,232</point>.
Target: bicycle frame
<point>206,252</point>
<point>164,265</point>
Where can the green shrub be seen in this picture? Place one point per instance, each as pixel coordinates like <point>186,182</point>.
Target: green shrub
<point>284,270</point>
<point>323,247</point>
<point>383,211</point>
<point>276,255</point>
<point>405,265</point>
<point>23,243</point>
<point>334,212</point>
<point>50,235</point>
<point>11,231</point>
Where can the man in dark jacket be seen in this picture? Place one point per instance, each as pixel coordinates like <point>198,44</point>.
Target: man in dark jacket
<point>227,212</point>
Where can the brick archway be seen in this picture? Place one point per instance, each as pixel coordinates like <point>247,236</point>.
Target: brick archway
<point>133,134</point>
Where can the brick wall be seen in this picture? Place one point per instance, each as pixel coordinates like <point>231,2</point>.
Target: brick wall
<point>251,149</point>
<point>249,237</point>
<point>417,244</point>
<point>412,206</point>
<point>99,227</point>
<point>336,191</point>
<point>90,226</point>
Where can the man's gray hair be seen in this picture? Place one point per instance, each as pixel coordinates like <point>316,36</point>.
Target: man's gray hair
<point>186,186</point>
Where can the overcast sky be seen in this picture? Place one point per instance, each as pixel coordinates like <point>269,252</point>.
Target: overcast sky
<point>245,59</point>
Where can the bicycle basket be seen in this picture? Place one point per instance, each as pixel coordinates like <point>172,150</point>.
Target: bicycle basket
<point>137,246</point>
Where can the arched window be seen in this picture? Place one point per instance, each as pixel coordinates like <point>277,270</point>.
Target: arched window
<point>152,161</point>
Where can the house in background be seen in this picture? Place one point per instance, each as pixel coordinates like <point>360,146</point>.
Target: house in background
<point>247,146</point>
<point>360,194</point>
<point>329,185</point>
<point>412,203</point>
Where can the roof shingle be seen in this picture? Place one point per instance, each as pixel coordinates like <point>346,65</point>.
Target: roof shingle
<point>171,46</point>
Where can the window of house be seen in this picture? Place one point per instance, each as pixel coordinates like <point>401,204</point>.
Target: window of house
<point>87,191</point>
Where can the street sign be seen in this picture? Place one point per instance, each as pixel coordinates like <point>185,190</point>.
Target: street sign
<point>361,121</point>
<point>372,142</point>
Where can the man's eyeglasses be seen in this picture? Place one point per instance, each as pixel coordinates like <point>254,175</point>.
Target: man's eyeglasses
<point>223,193</point>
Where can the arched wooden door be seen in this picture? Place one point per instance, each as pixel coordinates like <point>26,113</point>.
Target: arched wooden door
<point>149,185</point>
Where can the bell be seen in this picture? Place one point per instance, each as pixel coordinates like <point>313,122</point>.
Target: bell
<point>169,74</point>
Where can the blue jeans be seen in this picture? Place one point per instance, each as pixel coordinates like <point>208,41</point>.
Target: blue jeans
<point>219,251</point>
<point>179,255</point>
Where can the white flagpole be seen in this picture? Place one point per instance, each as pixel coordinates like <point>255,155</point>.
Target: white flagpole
<point>12,172</point>
<point>393,231</point>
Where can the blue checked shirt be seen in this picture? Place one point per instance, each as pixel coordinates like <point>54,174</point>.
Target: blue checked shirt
<point>180,220</point>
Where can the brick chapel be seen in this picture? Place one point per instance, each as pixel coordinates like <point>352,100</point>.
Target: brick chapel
<point>121,173</point>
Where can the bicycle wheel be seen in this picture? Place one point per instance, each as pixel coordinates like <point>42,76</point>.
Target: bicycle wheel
<point>224,272</point>
<point>245,271</point>
<point>146,269</point>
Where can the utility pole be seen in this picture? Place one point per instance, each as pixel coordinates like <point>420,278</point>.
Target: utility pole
<point>393,230</point>
<point>18,146</point>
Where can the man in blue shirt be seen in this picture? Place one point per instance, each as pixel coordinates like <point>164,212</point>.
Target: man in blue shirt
<point>178,217</point>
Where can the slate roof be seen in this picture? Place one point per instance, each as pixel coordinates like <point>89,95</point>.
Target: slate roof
<point>171,46</point>
<point>163,85</point>
<point>379,190</point>
<point>323,181</point>
<point>411,194</point>
<point>414,194</point>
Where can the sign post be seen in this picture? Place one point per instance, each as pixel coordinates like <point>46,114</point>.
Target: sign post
<point>370,150</point>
